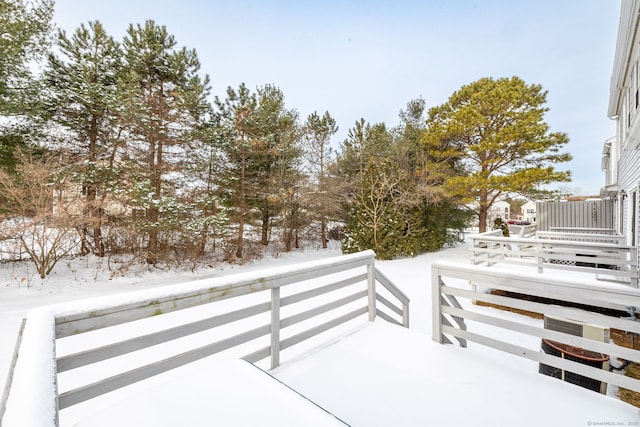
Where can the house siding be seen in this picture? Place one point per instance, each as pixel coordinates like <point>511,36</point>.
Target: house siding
<point>629,171</point>
<point>624,102</point>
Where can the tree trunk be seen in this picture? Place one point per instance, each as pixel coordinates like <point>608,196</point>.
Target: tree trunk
<point>243,207</point>
<point>84,245</point>
<point>94,211</point>
<point>482,218</point>
<point>323,232</point>
<point>97,237</point>
<point>95,218</point>
<point>265,227</point>
<point>239,246</point>
<point>203,240</point>
<point>152,209</point>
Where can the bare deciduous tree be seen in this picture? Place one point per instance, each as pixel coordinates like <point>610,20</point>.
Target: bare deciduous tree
<point>43,220</point>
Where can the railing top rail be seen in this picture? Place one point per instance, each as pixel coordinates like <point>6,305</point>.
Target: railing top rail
<point>487,233</point>
<point>581,237</point>
<point>584,230</point>
<point>578,235</point>
<point>620,294</point>
<point>124,308</point>
<point>533,241</point>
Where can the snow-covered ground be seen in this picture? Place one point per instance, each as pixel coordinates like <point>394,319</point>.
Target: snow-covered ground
<point>389,375</point>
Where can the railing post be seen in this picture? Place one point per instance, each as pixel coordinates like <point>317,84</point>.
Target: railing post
<point>539,257</point>
<point>405,315</point>
<point>275,327</point>
<point>371,287</point>
<point>436,313</point>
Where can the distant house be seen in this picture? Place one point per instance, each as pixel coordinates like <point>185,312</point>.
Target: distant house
<point>529,212</point>
<point>70,199</point>
<point>621,155</point>
<point>499,209</point>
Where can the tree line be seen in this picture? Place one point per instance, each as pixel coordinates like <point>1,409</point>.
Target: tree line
<point>117,148</point>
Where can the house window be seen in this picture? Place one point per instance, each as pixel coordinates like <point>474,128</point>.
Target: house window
<point>630,110</point>
<point>634,89</point>
<point>624,116</point>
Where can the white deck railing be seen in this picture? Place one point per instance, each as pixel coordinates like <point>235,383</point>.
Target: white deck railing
<point>586,230</point>
<point>37,365</point>
<point>454,291</point>
<point>522,230</point>
<point>615,239</point>
<point>606,260</point>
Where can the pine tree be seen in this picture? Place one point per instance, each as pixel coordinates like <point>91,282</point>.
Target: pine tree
<point>317,137</point>
<point>236,125</point>
<point>84,86</point>
<point>259,150</point>
<point>165,105</point>
<point>494,132</point>
<point>25,27</point>
<point>275,151</point>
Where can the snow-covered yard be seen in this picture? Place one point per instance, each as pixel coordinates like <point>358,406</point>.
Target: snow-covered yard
<point>373,374</point>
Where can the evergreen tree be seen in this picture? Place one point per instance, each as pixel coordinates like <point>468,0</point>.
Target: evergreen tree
<point>259,151</point>
<point>236,125</point>
<point>84,85</point>
<point>396,206</point>
<point>494,132</point>
<point>25,27</point>
<point>317,137</point>
<point>431,218</point>
<point>165,108</point>
<point>275,151</point>
<point>372,189</point>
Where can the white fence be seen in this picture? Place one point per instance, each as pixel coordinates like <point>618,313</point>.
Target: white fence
<point>583,214</point>
<point>353,278</point>
<point>606,260</point>
<point>454,289</point>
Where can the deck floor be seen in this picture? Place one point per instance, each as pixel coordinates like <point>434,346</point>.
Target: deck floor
<point>376,375</point>
<point>385,375</point>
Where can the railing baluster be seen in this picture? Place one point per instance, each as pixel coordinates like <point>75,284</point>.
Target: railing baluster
<point>436,307</point>
<point>275,327</point>
<point>371,286</point>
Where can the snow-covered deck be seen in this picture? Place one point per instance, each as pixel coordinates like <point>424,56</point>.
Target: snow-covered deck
<point>384,375</point>
<point>379,375</point>
<point>230,393</point>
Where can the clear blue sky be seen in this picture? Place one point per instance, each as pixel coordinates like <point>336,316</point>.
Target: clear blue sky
<point>369,58</point>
